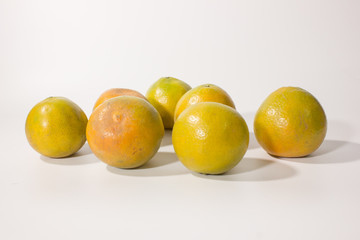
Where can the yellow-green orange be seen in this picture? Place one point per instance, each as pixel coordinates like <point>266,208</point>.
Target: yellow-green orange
<point>55,127</point>
<point>125,132</point>
<point>164,95</point>
<point>203,93</point>
<point>290,123</point>
<point>116,92</point>
<point>210,138</point>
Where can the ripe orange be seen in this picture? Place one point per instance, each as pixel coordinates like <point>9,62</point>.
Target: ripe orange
<point>210,138</point>
<point>117,92</point>
<point>164,95</point>
<point>125,131</point>
<point>203,93</point>
<point>55,127</point>
<point>290,123</point>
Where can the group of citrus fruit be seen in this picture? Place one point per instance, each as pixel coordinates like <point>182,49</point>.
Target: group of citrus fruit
<point>209,136</point>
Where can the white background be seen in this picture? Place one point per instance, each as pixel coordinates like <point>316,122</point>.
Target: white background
<point>78,49</point>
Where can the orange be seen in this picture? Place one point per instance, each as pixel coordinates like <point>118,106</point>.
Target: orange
<point>117,92</point>
<point>125,132</point>
<point>203,93</point>
<point>164,95</point>
<point>55,127</point>
<point>210,138</point>
<point>290,123</point>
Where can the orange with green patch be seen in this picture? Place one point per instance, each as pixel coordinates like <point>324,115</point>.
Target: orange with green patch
<point>164,95</point>
<point>55,127</point>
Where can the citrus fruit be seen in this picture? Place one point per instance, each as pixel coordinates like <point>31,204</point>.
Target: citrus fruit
<point>125,131</point>
<point>290,123</point>
<point>117,92</point>
<point>55,127</point>
<point>210,138</point>
<point>203,93</point>
<point>164,95</point>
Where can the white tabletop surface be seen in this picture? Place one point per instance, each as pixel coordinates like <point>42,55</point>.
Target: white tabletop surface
<point>78,49</point>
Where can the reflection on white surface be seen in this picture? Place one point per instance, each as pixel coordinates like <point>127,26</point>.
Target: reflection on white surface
<point>161,165</point>
<point>255,169</point>
<point>332,151</point>
<point>83,156</point>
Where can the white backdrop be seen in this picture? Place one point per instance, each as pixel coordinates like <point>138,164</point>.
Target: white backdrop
<point>78,49</point>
